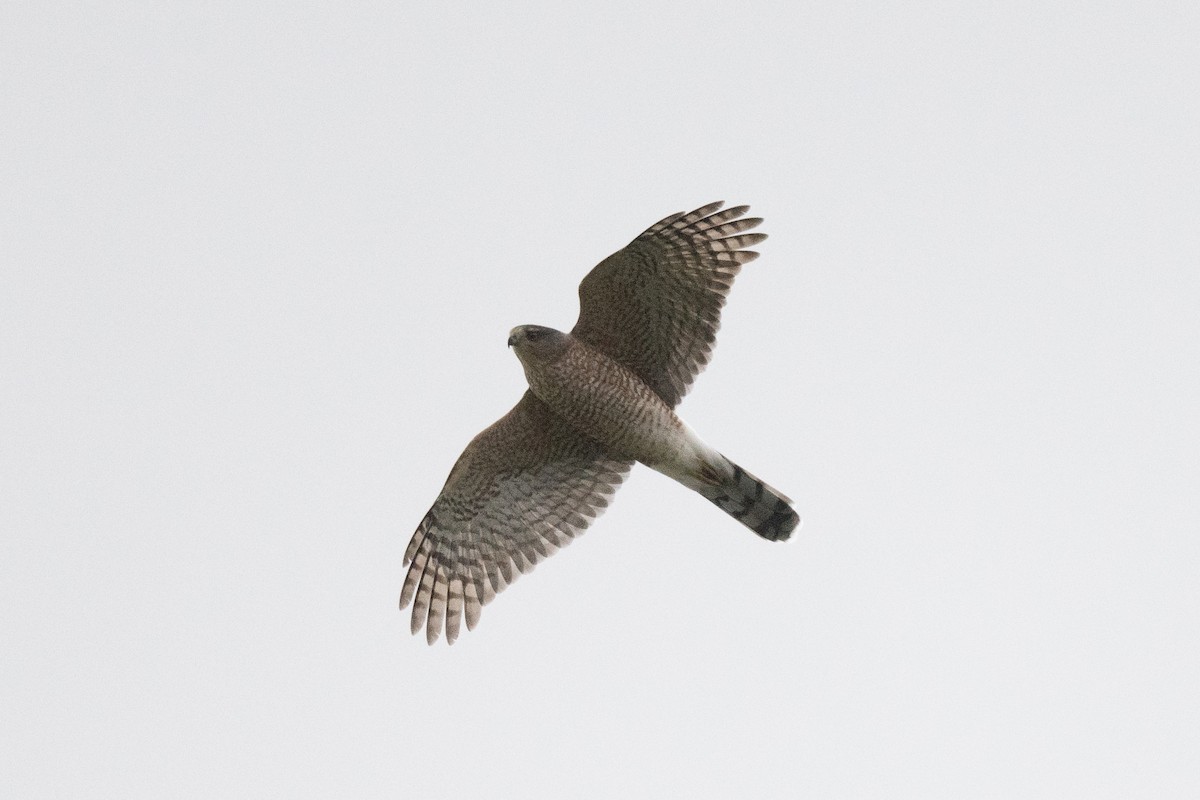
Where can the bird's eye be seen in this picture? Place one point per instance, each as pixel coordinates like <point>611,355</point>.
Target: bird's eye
<point>534,334</point>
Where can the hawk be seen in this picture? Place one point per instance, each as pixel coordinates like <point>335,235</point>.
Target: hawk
<point>600,398</point>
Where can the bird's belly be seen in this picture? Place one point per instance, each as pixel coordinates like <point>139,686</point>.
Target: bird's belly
<point>607,402</point>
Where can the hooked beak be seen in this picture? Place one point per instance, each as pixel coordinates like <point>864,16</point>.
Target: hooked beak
<point>512,340</point>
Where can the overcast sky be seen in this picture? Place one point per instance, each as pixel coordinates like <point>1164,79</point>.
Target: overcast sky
<point>259,262</point>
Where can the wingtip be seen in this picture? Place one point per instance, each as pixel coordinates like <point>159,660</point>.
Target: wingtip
<point>710,208</point>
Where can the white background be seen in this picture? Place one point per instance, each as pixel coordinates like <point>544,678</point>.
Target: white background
<point>259,264</point>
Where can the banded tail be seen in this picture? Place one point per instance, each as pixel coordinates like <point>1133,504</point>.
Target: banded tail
<point>748,499</point>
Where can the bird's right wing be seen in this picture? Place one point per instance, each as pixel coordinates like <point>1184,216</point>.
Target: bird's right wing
<point>524,487</point>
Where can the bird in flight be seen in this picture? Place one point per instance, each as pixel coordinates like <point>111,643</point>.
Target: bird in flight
<point>600,398</point>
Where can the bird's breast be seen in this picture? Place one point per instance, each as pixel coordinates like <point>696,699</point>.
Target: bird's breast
<point>608,402</point>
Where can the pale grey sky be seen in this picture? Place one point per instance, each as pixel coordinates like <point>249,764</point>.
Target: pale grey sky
<point>259,264</point>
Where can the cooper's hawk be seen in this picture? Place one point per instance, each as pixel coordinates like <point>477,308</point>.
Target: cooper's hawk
<point>599,398</point>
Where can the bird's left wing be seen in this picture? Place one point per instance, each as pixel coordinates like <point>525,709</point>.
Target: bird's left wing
<point>655,305</point>
<point>524,487</point>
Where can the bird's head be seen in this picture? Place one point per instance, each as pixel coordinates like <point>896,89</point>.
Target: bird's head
<point>537,343</point>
